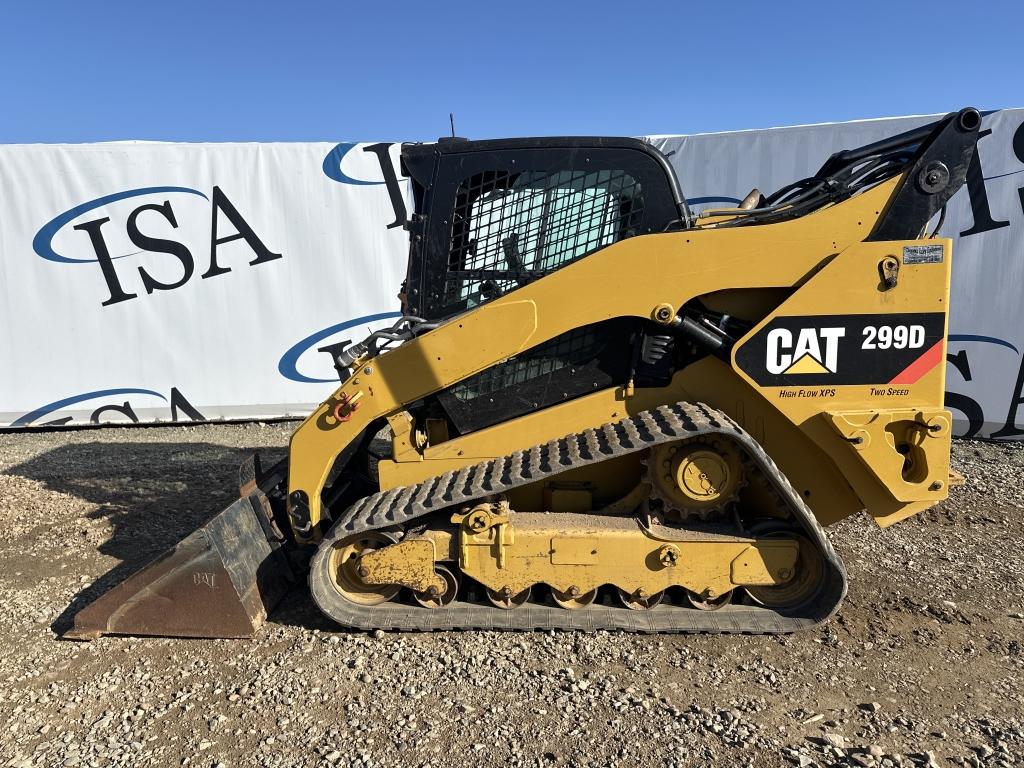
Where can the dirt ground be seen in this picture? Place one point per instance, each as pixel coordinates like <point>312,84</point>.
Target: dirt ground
<point>922,665</point>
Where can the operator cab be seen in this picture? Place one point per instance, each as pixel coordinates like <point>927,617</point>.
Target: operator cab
<point>491,216</point>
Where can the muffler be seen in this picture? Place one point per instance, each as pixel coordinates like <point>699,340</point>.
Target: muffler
<point>220,582</point>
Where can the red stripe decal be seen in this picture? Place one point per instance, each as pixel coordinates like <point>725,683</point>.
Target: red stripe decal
<point>921,366</point>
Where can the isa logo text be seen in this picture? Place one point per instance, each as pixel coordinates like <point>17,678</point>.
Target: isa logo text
<point>148,223</point>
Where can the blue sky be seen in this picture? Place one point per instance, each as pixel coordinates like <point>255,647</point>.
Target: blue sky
<point>298,71</point>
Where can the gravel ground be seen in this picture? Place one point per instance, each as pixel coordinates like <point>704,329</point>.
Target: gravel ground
<point>923,665</point>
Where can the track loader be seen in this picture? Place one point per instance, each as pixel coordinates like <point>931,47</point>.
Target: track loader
<point>601,409</point>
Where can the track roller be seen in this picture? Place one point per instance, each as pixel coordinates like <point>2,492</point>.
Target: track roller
<point>508,601</point>
<point>435,599</point>
<point>639,601</point>
<point>572,599</point>
<point>702,603</point>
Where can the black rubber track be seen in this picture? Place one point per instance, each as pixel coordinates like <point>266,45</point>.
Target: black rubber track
<point>668,423</point>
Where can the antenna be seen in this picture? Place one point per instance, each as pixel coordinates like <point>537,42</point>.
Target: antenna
<point>451,119</point>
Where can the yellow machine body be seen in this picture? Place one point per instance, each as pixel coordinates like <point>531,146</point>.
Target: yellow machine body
<point>820,260</point>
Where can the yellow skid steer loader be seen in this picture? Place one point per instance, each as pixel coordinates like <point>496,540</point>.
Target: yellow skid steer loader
<point>599,409</point>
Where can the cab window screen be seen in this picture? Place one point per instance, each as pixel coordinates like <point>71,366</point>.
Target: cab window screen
<point>512,227</point>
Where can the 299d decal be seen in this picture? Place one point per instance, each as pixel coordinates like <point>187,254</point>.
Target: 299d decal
<point>844,349</point>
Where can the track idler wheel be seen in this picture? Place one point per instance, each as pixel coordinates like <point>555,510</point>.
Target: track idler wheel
<point>640,600</point>
<point>572,599</point>
<point>345,569</point>
<point>508,601</point>
<point>805,582</point>
<point>435,599</point>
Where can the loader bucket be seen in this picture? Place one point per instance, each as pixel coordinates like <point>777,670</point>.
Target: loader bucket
<point>220,581</point>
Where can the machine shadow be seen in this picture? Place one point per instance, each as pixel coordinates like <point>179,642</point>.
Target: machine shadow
<point>153,495</point>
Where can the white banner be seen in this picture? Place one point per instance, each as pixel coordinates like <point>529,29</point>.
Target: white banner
<point>148,282</point>
<point>175,282</point>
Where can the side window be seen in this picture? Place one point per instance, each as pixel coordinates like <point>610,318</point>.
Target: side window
<point>512,227</point>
